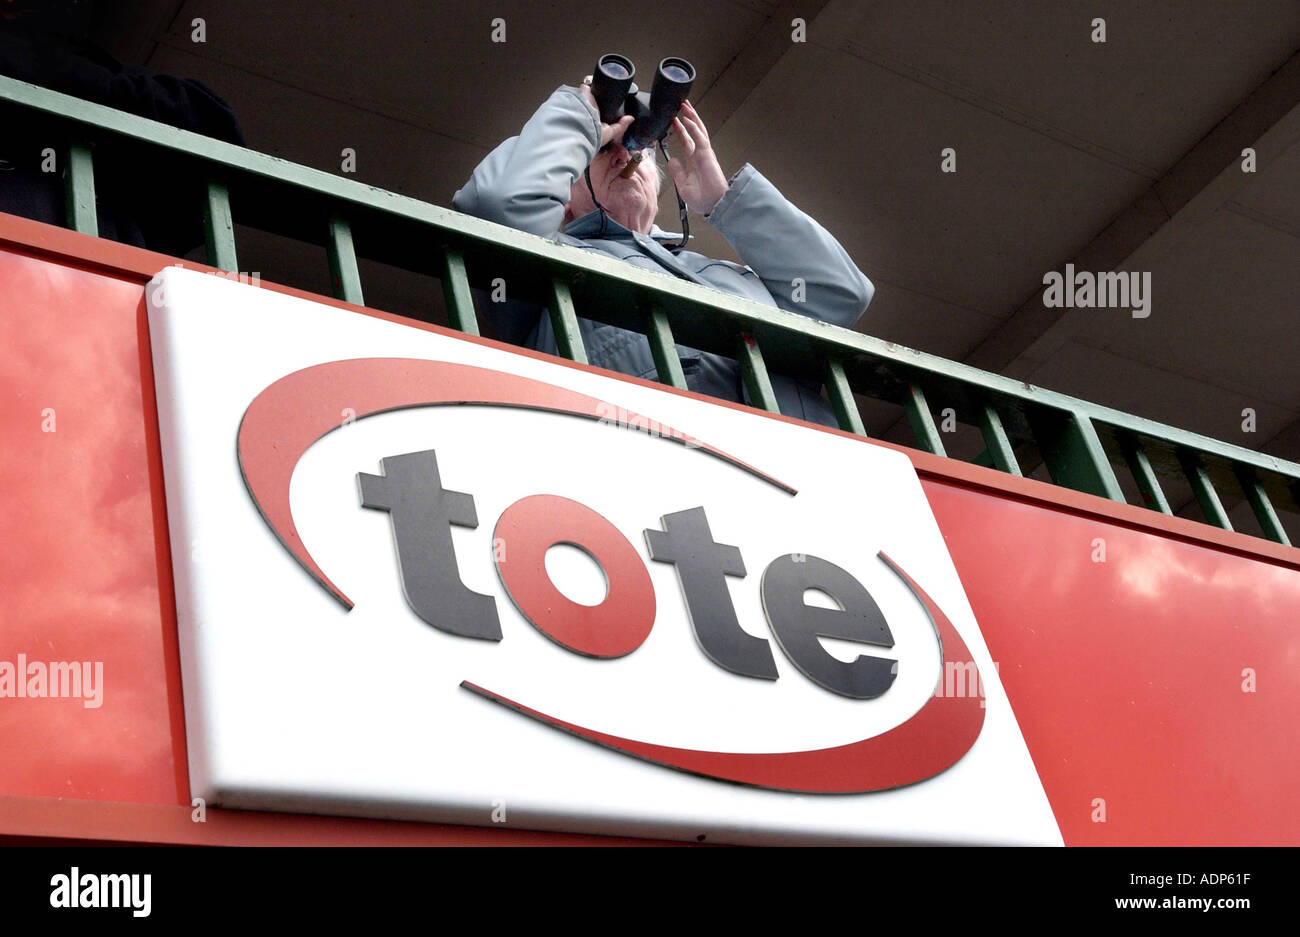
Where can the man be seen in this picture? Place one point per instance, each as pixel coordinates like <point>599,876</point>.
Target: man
<point>564,177</point>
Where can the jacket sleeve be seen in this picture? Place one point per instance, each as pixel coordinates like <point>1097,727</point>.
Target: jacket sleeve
<point>525,182</point>
<point>785,246</point>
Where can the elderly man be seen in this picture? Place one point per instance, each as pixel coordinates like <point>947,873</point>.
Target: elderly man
<point>566,176</point>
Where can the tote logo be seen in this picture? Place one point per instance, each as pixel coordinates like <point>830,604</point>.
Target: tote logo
<point>288,416</point>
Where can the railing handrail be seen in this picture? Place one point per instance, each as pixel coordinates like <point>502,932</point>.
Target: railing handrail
<point>1076,437</point>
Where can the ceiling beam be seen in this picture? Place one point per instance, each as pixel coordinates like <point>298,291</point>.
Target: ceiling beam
<point>1034,332</point>
<point>1010,348</point>
<point>755,60</point>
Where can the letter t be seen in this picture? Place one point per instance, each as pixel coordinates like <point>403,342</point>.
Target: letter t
<point>702,567</point>
<point>411,491</point>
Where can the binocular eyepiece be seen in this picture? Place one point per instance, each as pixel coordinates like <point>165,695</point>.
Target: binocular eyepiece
<point>616,96</point>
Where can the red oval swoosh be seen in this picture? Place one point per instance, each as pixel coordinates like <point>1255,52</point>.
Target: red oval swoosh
<point>931,741</point>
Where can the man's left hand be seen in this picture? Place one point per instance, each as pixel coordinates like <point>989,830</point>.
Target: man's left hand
<point>699,179</point>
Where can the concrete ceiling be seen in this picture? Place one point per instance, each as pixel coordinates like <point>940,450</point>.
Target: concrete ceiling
<point>1123,155</point>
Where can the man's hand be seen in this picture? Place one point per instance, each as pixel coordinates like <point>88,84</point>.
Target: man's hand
<point>608,132</point>
<point>700,180</point>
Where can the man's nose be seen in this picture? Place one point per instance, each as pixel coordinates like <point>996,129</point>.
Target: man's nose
<point>620,157</point>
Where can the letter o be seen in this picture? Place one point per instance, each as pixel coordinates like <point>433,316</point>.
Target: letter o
<point>615,627</point>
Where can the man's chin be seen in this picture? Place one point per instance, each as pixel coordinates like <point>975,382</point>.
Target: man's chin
<point>626,208</point>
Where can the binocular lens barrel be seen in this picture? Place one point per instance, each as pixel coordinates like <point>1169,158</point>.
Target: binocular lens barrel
<point>672,84</point>
<point>610,84</point>
<point>616,67</point>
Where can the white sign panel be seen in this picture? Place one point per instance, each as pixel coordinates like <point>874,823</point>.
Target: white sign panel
<point>423,577</point>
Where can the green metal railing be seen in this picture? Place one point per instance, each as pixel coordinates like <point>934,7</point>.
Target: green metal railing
<point>1083,446</point>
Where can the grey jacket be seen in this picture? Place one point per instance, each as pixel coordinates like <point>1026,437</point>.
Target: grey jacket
<point>525,183</point>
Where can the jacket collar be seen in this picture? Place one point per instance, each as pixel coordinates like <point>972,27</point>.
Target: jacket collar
<point>588,226</point>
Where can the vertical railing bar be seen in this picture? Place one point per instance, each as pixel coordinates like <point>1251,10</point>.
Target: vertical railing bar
<point>667,362</point>
<point>1261,505</point>
<point>219,228</point>
<point>754,370</point>
<point>456,292</point>
<point>841,394</point>
<point>1074,454</point>
<point>1203,488</point>
<point>345,277</point>
<point>564,320</point>
<point>922,420</point>
<point>1145,476</point>
<point>1096,454</point>
<point>995,439</point>
<point>79,190</point>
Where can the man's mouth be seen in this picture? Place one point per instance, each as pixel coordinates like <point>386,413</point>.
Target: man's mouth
<point>631,167</point>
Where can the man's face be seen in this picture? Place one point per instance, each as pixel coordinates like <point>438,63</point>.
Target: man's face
<point>632,202</point>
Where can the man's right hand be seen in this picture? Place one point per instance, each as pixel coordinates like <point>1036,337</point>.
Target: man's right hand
<point>608,132</point>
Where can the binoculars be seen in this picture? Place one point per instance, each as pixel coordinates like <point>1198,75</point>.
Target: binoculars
<point>616,96</point>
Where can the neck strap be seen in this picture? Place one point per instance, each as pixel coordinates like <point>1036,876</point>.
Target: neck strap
<point>586,174</point>
<point>681,210</point>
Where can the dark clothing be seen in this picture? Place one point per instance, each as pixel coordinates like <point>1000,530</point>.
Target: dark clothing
<point>137,199</point>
